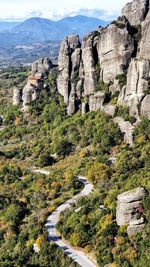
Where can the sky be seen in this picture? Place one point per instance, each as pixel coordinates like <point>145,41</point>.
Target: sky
<point>57,9</point>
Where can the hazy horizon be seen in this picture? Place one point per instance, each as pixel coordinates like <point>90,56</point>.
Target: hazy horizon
<point>17,10</point>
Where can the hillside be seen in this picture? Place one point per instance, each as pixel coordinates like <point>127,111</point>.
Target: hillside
<point>75,151</point>
<point>6,25</point>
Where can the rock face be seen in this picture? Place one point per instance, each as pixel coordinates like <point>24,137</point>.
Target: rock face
<point>89,62</point>
<point>109,62</point>
<point>96,101</point>
<point>100,58</point>
<point>145,107</point>
<point>17,96</point>
<point>114,55</point>
<point>35,83</point>
<point>137,83</point>
<point>126,128</point>
<point>42,66</point>
<point>129,210</point>
<point>69,64</point>
<point>136,11</point>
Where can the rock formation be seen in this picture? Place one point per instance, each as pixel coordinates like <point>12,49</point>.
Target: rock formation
<point>17,96</point>
<point>101,60</point>
<point>110,61</point>
<point>35,83</point>
<point>129,210</point>
<point>136,11</point>
<point>69,64</point>
<point>115,47</point>
<point>126,128</point>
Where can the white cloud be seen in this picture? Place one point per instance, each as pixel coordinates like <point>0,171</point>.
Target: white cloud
<point>56,9</point>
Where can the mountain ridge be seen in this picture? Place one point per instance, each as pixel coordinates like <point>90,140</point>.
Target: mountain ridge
<point>38,29</point>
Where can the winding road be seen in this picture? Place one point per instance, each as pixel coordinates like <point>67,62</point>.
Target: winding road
<point>78,256</point>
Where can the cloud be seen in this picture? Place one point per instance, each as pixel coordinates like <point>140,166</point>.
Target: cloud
<point>35,13</point>
<point>97,13</point>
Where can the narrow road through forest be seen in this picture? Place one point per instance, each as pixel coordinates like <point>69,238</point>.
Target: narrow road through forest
<point>78,256</point>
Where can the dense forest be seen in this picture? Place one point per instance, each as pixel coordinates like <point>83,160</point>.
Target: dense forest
<point>67,146</point>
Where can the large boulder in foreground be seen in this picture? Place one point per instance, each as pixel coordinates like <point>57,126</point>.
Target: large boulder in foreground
<point>130,211</point>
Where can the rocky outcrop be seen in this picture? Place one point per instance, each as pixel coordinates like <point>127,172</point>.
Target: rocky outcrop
<point>130,211</point>
<point>69,64</point>
<point>114,56</point>
<point>144,47</point>
<point>35,83</point>
<point>145,107</point>
<point>89,62</point>
<point>126,128</point>
<point>138,74</point>
<point>110,61</point>
<point>137,83</point>
<point>17,96</point>
<point>136,11</point>
<point>96,101</point>
<point>42,66</point>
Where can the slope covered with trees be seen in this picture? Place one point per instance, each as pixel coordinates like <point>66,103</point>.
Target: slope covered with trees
<point>67,146</point>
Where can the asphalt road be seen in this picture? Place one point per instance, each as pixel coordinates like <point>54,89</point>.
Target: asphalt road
<point>78,256</point>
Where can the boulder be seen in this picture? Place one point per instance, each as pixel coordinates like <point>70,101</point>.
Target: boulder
<point>136,11</point>
<point>129,210</point>
<point>132,195</point>
<point>109,110</point>
<point>96,101</point>
<point>126,128</point>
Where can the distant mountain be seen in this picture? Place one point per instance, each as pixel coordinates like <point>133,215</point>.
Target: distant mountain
<point>40,30</point>
<point>5,25</point>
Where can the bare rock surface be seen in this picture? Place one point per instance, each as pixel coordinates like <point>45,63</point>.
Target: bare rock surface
<point>145,107</point>
<point>96,101</point>
<point>114,55</point>
<point>126,128</point>
<point>136,11</point>
<point>17,96</point>
<point>129,210</point>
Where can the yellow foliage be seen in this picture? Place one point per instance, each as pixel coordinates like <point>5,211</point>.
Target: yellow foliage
<point>17,121</point>
<point>51,209</point>
<point>130,254</point>
<point>98,172</point>
<point>29,243</point>
<point>68,175</point>
<point>120,240</point>
<point>105,221</point>
<point>55,184</point>
<point>40,241</point>
<point>82,153</point>
<point>140,139</point>
<point>23,200</point>
<point>75,239</point>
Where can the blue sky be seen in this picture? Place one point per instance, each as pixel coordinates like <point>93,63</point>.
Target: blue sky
<point>56,9</point>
